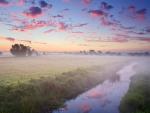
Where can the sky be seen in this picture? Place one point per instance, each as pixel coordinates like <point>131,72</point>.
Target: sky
<point>74,25</point>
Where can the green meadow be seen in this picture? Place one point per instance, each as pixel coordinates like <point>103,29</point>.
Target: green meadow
<point>42,84</point>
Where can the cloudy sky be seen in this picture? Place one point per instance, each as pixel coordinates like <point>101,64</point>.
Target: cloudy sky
<point>72,25</point>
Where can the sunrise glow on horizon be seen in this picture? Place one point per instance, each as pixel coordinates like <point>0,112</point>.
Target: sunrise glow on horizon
<point>74,25</point>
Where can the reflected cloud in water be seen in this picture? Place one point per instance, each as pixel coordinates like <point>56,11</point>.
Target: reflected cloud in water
<point>104,98</point>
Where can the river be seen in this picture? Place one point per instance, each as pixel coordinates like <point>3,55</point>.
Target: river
<point>104,98</point>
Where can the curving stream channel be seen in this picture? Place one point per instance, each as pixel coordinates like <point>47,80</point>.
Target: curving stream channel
<point>104,98</point>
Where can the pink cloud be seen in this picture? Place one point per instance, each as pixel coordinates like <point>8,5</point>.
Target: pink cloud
<point>43,43</point>
<point>78,32</point>
<point>97,13</point>
<point>139,15</point>
<point>33,12</point>
<point>49,31</point>
<point>26,26</point>
<point>87,1</point>
<point>120,39</point>
<point>31,26</point>
<point>81,25</point>
<point>35,25</point>
<point>62,26</point>
<point>105,22</point>
<point>15,18</point>
<point>132,8</point>
<point>4,3</point>
<point>10,39</point>
<point>58,16</point>
<point>145,39</point>
<point>106,6</point>
<point>21,2</point>
<point>66,1</point>
<point>27,41</point>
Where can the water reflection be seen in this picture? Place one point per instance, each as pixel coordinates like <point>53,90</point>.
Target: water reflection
<point>104,98</point>
<point>85,108</point>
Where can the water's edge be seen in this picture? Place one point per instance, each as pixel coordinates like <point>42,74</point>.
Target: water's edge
<point>104,97</point>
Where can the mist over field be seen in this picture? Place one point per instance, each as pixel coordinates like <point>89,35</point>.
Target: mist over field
<point>74,56</point>
<point>49,83</point>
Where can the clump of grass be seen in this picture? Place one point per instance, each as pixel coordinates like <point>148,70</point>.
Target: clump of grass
<point>137,100</point>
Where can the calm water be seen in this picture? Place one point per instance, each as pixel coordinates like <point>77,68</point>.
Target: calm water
<point>104,98</point>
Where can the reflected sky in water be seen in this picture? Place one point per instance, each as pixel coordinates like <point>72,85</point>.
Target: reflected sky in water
<point>104,98</point>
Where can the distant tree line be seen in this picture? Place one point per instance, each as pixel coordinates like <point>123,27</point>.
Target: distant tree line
<point>93,52</point>
<point>22,50</point>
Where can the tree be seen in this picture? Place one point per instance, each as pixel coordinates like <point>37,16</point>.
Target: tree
<point>1,53</point>
<point>21,50</point>
<point>92,52</point>
<point>99,52</point>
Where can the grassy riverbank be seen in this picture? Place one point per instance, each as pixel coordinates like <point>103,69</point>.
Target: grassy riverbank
<point>47,93</point>
<point>137,100</point>
<point>30,88</point>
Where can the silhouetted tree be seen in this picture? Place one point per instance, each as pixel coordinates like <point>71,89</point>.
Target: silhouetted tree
<point>99,52</point>
<point>44,53</point>
<point>34,52</point>
<point>92,52</point>
<point>1,53</point>
<point>21,50</point>
<point>83,52</point>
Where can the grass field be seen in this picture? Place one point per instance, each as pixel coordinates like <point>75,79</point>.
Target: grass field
<point>14,70</point>
<point>41,84</point>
